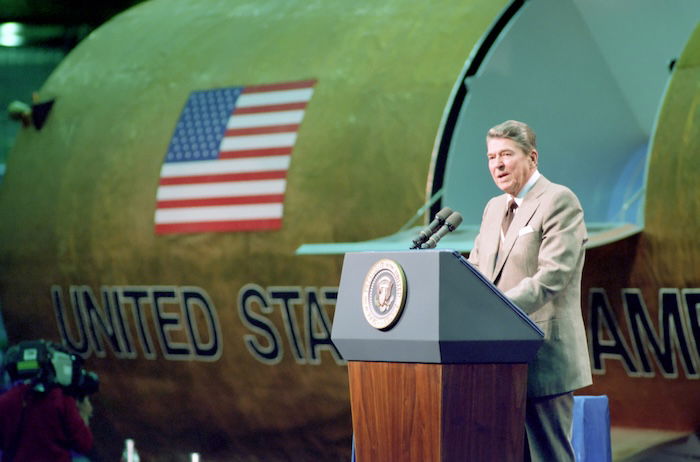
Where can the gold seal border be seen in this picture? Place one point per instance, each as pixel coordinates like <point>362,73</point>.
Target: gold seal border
<point>385,322</point>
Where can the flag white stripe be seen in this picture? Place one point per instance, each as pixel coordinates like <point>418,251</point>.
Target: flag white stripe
<point>277,140</point>
<point>214,167</point>
<point>265,119</point>
<point>274,97</point>
<point>218,213</point>
<point>224,189</point>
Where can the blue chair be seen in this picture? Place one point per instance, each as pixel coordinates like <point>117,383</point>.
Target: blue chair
<point>591,429</point>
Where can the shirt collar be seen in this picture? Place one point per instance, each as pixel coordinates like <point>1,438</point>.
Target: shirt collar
<point>528,186</point>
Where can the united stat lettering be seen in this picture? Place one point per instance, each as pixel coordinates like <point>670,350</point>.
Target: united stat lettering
<point>184,319</point>
<point>303,318</point>
<point>298,315</point>
<point>181,323</point>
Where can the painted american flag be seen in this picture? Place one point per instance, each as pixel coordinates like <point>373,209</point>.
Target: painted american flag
<point>226,166</point>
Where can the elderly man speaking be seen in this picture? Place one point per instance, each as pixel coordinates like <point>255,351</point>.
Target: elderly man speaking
<point>531,246</point>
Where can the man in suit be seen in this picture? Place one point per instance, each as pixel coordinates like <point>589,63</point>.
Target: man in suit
<point>531,246</point>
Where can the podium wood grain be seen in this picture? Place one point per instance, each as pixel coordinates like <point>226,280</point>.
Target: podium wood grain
<point>437,412</point>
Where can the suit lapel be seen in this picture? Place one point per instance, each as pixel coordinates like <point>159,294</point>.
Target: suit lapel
<point>522,217</point>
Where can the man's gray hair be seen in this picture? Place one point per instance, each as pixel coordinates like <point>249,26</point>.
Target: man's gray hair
<point>519,132</point>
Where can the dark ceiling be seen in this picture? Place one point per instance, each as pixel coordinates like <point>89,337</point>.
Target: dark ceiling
<point>30,51</point>
<point>59,23</point>
<point>65,12</point>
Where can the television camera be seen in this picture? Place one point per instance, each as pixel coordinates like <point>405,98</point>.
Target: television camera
<point>47,364</point>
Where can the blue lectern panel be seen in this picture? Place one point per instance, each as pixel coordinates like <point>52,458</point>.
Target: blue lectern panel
<point>451,315</point>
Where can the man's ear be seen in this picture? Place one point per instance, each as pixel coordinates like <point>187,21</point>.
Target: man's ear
<point>533,157</point>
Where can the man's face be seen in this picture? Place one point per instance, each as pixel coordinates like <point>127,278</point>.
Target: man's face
<point>509,165</point>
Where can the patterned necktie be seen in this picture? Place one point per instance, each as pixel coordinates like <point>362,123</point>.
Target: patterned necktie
<point>508,218</point>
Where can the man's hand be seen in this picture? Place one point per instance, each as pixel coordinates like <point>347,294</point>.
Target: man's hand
<point>85,409</point>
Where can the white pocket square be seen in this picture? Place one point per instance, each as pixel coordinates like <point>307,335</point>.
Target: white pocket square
<point>525,230</point>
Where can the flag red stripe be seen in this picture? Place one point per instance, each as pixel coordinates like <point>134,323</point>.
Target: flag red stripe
<point>280,86</point>
<point>262,130</point>
<point>269,108</point>
<point>247,200</point>
<point>255,153</point>
<point>247,176</point>
<point>219,226</point>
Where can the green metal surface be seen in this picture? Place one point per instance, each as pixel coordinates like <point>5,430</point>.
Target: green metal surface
<point>78,198</point>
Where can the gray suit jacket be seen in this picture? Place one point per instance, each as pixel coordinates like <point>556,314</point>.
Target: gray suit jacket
<point>539,269</point>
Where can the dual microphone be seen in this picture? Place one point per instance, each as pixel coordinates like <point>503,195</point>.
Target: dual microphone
<point>445,221</point>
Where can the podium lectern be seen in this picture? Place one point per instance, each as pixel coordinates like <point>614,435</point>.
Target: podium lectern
<point>437,358</point>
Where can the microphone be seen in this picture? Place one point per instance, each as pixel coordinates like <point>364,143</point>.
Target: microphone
<point>454,220</point>
<point>439,219</point>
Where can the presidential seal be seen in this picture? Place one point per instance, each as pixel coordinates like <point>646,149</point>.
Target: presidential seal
<point>384,294</point>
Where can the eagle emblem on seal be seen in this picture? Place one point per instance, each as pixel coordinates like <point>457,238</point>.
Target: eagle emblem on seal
<point>384,294</point>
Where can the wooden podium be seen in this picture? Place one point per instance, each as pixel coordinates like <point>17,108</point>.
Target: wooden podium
<point>443,379</point>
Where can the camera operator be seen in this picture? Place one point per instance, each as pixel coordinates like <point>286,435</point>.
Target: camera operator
<point>41,421</point>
